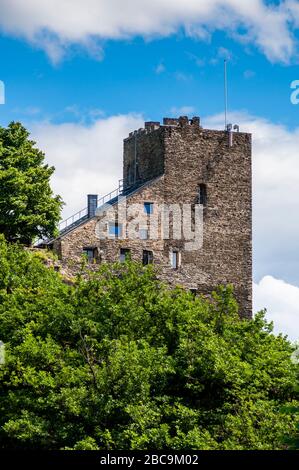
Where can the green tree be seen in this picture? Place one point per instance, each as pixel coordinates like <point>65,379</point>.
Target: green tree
<point>28,209</point>
<point>292,441</point>
<point>118,361</point>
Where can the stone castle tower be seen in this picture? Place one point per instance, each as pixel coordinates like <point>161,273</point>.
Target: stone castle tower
<point>180,165</point>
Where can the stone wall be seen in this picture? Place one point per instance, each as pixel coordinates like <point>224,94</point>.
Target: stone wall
<point>143,155</point>
<point>70,246</point>
<point>193,156</point>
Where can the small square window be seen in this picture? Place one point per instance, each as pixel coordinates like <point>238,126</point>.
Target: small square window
<point>115,229</point>
<point>148,207</point>
<point>90,254</point>
<point>148,257</point>
<point>143,234</point>
<point>124,255</point>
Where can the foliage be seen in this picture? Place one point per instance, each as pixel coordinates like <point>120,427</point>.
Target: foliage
<point>28,209</point>
<point>292,441</point>
<point>118,361</point>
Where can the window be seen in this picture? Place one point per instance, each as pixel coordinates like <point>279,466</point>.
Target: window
<point>90,254</point>
<point>202,194</point>
<point>193,292</point>
<point>148,208</point>
<point>124,254</point>
<point>175,259</point>
<point>115,229</point>
<point>143,234</point>
<point>148,257</point>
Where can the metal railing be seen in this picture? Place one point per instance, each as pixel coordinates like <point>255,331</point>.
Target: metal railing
<point>113,194</point>
<point>83,213</point>
<point>73,219</point>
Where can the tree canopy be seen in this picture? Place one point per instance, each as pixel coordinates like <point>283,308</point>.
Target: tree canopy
<point>118,361</point>
<point>28,208</point>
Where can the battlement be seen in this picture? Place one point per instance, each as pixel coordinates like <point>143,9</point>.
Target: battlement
<point>182,121</point>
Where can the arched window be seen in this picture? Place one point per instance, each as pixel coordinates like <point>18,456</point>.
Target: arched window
<point>202,194</point>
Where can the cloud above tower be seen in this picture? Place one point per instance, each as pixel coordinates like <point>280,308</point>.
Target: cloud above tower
<point>57,25</point>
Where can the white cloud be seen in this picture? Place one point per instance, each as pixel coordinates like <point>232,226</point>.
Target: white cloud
<point>160,68</point>
<point>87,158</point>
<point>282,303</point>
<point>293,8</point>
<point>222,53</point>
<point>57,24</point>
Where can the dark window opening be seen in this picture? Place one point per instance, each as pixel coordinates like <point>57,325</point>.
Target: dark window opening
<point>202,195</point>
<point>91,254</point>
<point>193,292</point>
<point>148,257</point>
<point>125,254</point>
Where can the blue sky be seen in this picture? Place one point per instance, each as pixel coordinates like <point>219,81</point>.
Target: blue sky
<point>147,77</point>
<point>81,77</point>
